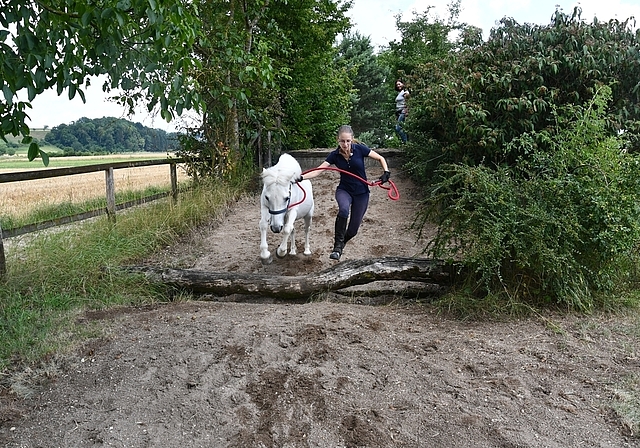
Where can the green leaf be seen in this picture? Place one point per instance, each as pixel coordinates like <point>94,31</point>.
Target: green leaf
<point>34,151</point>
<point>26,13</point>
<point>8,94</point>
<point>31,40</point>
<point>40,79</point>
<point>45,157</point>
<point>31,92</point>
<point>86,17</point>
<point>106,13</point>
<point>7,125</point>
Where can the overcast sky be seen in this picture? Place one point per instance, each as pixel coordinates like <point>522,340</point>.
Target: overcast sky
<point>373,18</point>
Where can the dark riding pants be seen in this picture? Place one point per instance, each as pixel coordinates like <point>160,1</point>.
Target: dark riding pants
<point>357,205</point>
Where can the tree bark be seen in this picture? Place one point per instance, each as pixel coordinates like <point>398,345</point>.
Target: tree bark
<point>342,275</point>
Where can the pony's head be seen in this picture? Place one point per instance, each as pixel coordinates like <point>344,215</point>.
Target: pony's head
<point>276,193</point>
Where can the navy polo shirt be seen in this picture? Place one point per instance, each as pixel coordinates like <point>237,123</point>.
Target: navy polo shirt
<point>354,165</point>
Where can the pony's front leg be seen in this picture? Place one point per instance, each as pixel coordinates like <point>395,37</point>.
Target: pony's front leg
<point>265,255</point>
<point>287,231</point>
<point>307,232</point>
<point>293,250</point>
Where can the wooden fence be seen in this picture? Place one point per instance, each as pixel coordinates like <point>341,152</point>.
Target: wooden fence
<point>111,208</point>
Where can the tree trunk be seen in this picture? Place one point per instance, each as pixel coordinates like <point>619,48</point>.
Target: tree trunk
<point>342,275</point>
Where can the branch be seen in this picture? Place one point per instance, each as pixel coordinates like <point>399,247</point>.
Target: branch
<point>57,12</point>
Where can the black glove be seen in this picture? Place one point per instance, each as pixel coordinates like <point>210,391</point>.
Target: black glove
<point>385,177</point>
<point>299,178</point>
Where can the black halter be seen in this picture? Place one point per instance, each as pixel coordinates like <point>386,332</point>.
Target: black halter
<point>284,210</point>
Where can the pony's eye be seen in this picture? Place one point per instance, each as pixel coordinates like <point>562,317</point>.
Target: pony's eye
<point>266,198</point>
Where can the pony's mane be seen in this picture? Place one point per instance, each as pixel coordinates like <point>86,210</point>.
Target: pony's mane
<point>285,171</point>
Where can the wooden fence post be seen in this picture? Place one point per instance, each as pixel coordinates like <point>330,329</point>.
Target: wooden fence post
<point>3,261</point>
<point>111,194</point>
<point>174,182</point>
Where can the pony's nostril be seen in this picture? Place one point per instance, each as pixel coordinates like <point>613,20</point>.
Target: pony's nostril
<point>276,229</point>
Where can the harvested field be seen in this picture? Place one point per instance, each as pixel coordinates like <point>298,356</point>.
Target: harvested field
<point>18,198</point>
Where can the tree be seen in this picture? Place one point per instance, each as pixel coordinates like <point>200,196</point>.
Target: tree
<point>142,46</point>
<point>107,135</point>
<point>423,39</point>
<point>371,105</point>
<point>315,93</point>
<point>236,71</point>
<point>267,70</point>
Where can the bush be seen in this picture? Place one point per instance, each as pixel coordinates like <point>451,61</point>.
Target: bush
<point>471,105</point>
<point>555,227</point>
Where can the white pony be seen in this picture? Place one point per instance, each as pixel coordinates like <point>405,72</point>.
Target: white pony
<point>284,200</point>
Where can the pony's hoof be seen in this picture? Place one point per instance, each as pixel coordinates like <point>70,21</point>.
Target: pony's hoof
<point>284,254</point>
<point>307,252</point>
<point>267,260</point>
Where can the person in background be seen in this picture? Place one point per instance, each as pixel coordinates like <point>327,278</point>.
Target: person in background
<point>401,110</point>
<point>352,195</point>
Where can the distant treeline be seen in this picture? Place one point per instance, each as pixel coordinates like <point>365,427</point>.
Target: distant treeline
<point>109,135</point>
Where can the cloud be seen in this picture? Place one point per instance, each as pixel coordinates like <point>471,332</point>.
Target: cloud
<point>375,19</point>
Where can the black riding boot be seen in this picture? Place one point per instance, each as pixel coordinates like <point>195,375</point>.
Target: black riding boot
<point>338,245</point>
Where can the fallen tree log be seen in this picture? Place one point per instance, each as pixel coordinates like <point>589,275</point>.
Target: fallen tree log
<point>342,275</point>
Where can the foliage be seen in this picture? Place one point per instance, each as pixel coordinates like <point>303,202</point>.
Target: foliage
<point>144,47</point>
<point>424,40</point>
<point>109,135</point>
<point>315,94</point>
<point>471,106</point>
<point>562,225</point>
<point>371,108</point>
<point>9,149</point>
<point>268,80</point>
<point>56,274</point>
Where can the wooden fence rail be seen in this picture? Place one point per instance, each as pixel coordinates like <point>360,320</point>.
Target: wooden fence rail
<point>111,208</point>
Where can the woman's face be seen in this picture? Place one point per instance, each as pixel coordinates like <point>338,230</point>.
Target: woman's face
<point>344,140</point>
<point>399,85</point>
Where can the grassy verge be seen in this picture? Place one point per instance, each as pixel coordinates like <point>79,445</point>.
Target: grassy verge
<point>55,275</point>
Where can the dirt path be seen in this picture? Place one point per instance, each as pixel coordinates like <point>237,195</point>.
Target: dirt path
<point>333,372</point>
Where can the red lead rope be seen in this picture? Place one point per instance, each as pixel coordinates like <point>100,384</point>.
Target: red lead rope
<point>393,192</point>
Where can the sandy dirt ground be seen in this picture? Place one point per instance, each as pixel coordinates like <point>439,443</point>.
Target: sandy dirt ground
<point>343,369</point>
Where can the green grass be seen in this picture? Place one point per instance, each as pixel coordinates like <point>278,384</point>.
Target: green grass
<point>53,276</point>
<point>626,396</point>
<point>38,133</point>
